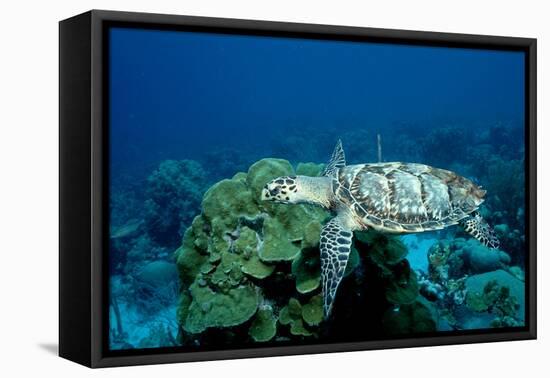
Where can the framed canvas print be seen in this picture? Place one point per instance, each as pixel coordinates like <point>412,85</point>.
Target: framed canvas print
<point>234,188</point>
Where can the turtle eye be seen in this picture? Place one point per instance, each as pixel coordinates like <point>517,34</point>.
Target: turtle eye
<point>274,191</point>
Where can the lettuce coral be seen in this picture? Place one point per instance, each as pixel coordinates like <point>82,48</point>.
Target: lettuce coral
<point>292,315</point>
<point>209,308</point>
<point>264,325</point>
<point>307,270</point>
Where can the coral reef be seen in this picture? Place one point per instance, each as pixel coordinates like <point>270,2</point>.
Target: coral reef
<point>247,265</point>
<point>458,278</point>
<point>250,271</point>
<point>454,258</point>
<point>173,194</point>
<point>500,294</point>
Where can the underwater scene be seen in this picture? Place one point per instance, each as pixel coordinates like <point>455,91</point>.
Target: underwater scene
<point>274,191</point>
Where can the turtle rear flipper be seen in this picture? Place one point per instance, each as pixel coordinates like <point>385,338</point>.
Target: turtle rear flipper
<point>476,226</point>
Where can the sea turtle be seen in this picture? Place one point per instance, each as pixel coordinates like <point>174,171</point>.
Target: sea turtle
<point>393,198</point>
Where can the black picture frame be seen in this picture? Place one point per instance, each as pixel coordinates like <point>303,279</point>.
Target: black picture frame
<point>83,180</point>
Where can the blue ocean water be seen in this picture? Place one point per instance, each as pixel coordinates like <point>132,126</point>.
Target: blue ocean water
<point>188,109</point>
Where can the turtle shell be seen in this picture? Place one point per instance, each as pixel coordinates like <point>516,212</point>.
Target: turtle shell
<point>405,197</point>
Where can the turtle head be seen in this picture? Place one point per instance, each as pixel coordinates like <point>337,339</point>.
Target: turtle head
<point>285,189</point>
<point>299,189</point>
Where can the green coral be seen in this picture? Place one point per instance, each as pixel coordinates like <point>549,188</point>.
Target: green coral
<point>228,273</point>
<point>264,325</point>
<point>183,307</point>
<point>312,312</point>
<point>309,169</point>
<point>498,293</point>
<point>300,317</point>
<point>286,228</point>
<point>307,270</point>
<point>266,170</point>
<point>494,298</point>
<point>277,246</point>
<point>189,261</point>
<point>353,262</point>
<point>383,249</point>
<point>218,309</point>
<point>291,315</point>
<point>247,246</point>
<point>438,254</point>
<point>312,233</point>
<point>505,321</point>
<point>240,176</point>
<point>222,207</point>
<point>388,254</point>
<point>403,290</point>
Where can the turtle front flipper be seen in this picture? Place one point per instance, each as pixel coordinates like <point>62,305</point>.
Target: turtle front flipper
<point>337,160</point>
<point>335,246</point>
<point>476,226</point>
